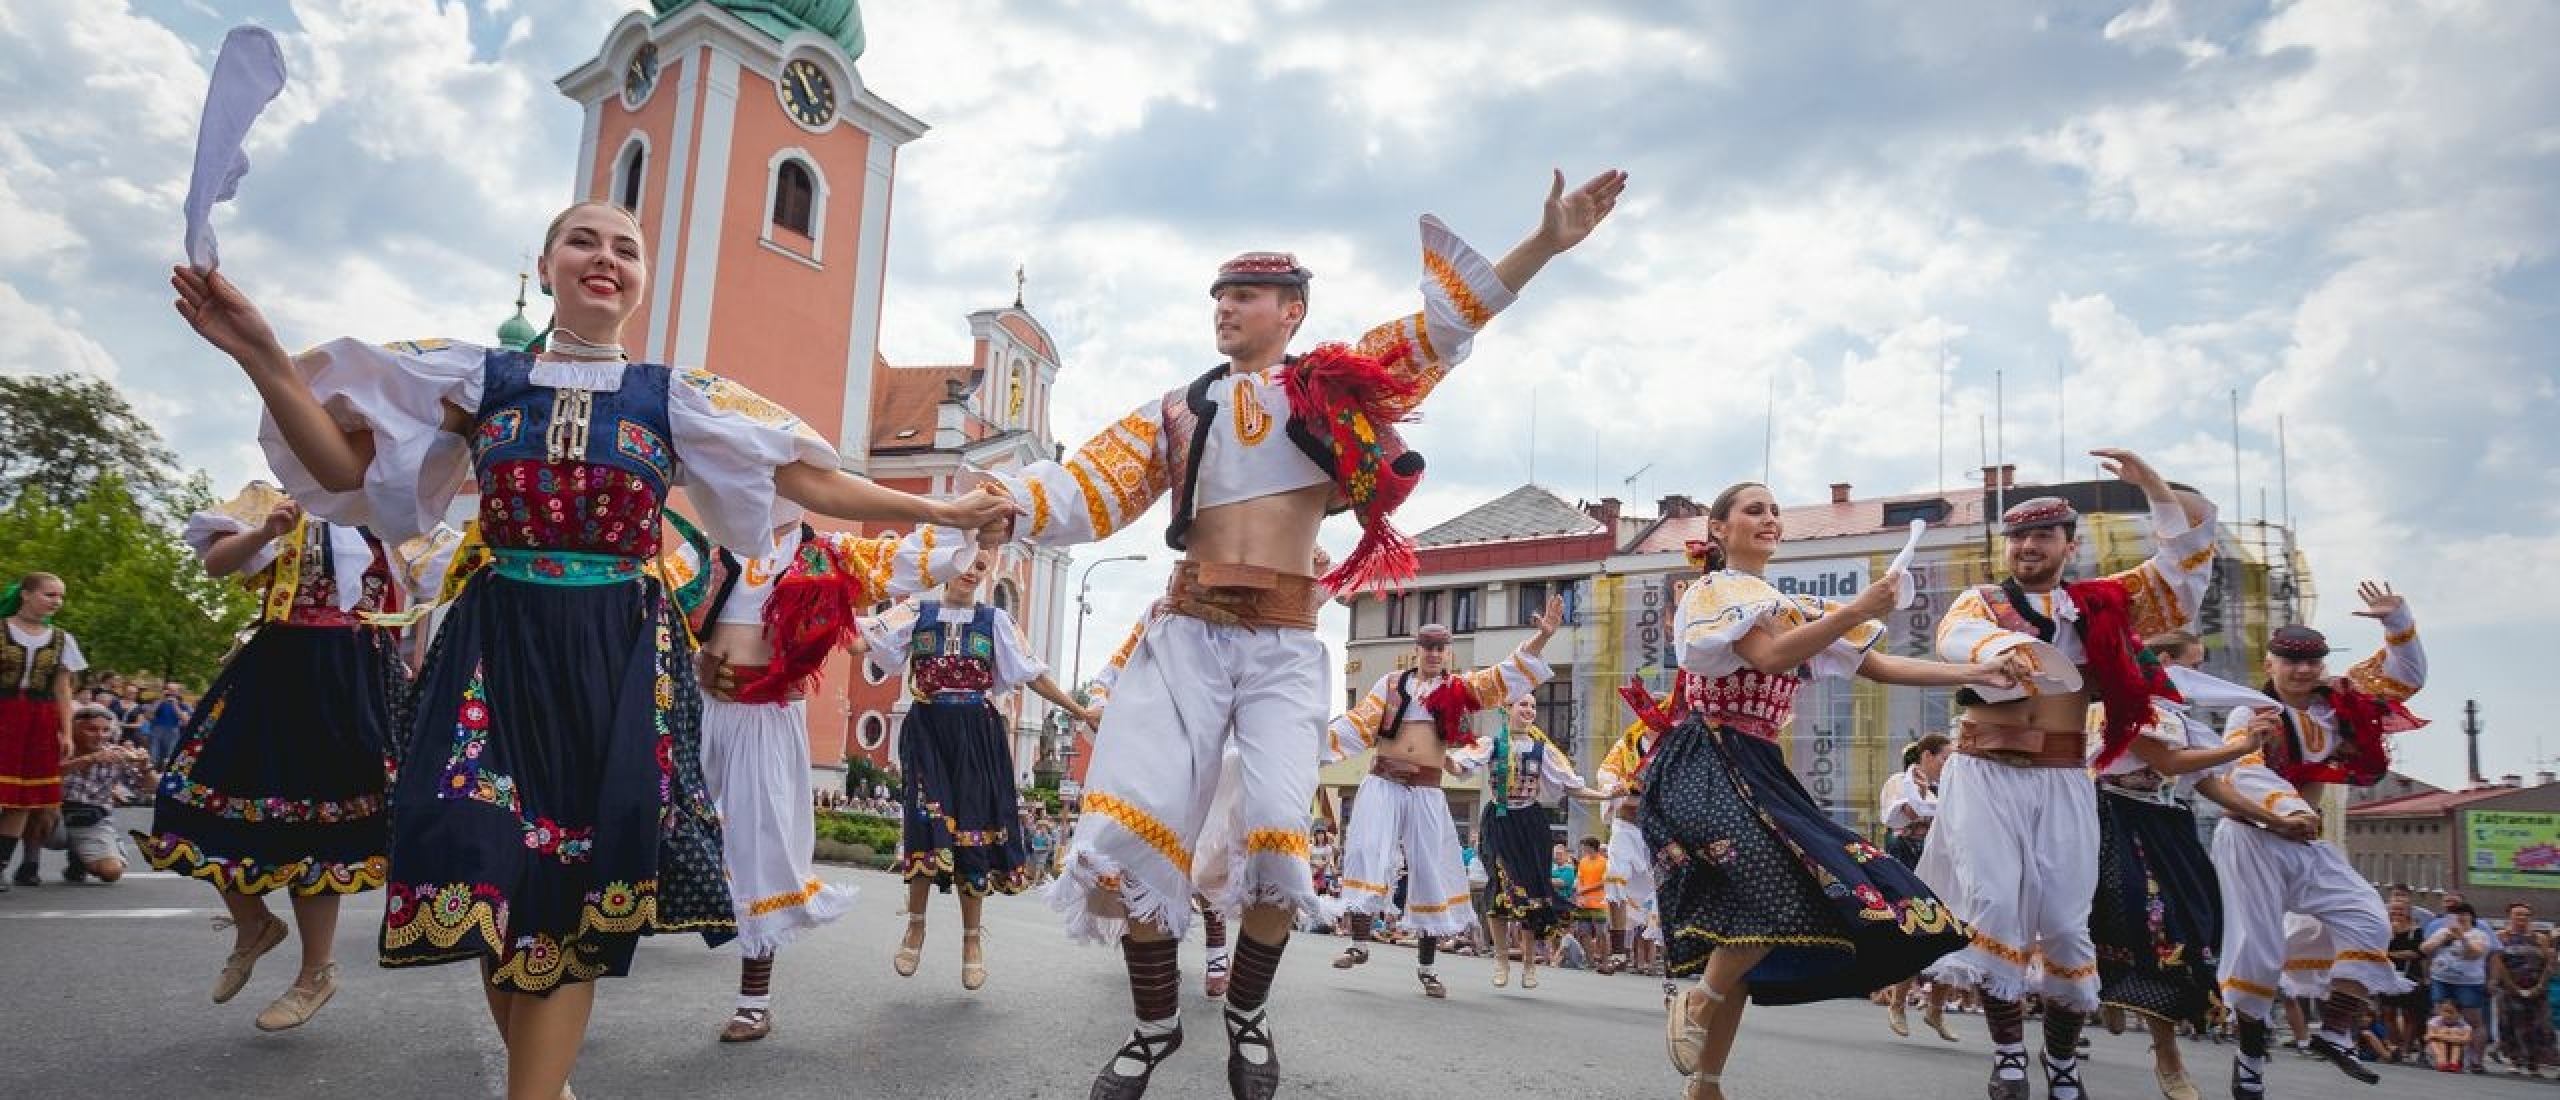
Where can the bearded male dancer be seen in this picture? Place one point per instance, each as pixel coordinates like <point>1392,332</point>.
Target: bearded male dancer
<point>2015,849</point>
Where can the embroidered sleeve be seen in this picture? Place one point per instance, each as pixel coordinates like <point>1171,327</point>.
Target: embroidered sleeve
<point>1460,293</point>
<point>885,638</point>
<point>1517,675</point>
<point>1099,691</point>
<point>1473,758</point>
<point>1970,635</point>
<point>1556,775</point>
<point>2397,670</point>
<point>729,440</point>
<point>2257,783</point>
<point>1354,730</point>
<point>398,392</point>
<point>1719,609</point>
<point>1618,767</point>
<point>2167,588</point>
<point>1105,486</point>
<point>894,567</point>
<point>1015,666</point>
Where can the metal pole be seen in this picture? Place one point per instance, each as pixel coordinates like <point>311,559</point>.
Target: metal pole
<point>1084,606</point>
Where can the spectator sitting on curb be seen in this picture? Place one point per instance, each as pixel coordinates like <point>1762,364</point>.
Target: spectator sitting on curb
<point>97,778</point>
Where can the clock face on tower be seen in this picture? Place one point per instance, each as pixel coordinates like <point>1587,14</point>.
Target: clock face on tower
<point>808,94</point>
<point>641,75</point>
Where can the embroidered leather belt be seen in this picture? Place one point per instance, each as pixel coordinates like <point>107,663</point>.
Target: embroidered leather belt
<point>956,698</point>
<point>567,568</point>
<point>1241,595</point>
<point>720,680</point>
<point>2023,746</point>
<point>1404,772</point>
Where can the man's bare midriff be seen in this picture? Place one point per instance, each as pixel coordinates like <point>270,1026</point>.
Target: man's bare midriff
<point>2064,713</point>
<point>736,644</point>
<point>1415,743</point>
<point>1274,532</point>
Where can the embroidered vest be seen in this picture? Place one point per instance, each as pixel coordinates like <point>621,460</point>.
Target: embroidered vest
<point>38,679</point>
<point>951,657</point>
<point>571,470</point>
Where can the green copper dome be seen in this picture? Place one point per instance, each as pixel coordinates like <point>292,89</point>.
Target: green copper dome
<point>516,333</point>
<point>837,19</point>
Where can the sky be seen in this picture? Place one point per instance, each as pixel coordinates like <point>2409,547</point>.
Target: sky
<point>2116,215</point>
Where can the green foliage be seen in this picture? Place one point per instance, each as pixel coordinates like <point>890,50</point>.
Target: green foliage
<point>63,433</point>
<point>1044,793</point>
<point>878,833</point>
<point>138,599</point>
<point>860,773</point>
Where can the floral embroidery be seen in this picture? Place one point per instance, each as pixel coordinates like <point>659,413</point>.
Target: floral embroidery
<point>635,440</point>
<point>577,507</point>
<point>558,841</point>
<point>498,430</point>
<point>464,774</point>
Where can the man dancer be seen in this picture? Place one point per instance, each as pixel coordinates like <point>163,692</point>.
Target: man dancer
<point>1630,882</point>
<point>1400,816</point>
<point>2296,915</point>
<point>1235,658</point>
<point>2015,849</point>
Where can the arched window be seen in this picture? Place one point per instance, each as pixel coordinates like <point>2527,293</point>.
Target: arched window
<point>628,177</point>
<point>1004,600</point>
<point>795,196</point>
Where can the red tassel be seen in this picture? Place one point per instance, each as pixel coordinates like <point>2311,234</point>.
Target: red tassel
<point>2125,686</point>
<point>1450,705</point>
<point>809,615</point>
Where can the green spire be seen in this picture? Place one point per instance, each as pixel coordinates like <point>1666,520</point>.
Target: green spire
<point>516,333</point>
<point>837,19</point>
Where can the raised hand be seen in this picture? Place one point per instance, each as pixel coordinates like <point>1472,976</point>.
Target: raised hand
<point>2129,467</point>
<point>1570,217</point>
<point>1551,619</point>
<point>216,309</point>
<point>2380,602</point>
<point>282,519</point>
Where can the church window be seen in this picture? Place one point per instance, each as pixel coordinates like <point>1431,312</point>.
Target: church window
<point>794,198</point>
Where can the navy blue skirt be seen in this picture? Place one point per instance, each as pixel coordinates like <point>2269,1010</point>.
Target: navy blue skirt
<point>2157,917</point>
<point>550,809</point>
<point>1517,849</point>
<point>962,826</point>
<point>1745,857</point>
<point>279,780</point>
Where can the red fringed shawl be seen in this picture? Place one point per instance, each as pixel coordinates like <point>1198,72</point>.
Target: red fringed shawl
<point>809,615</point>
<point>1451,704</point>
<point>1350,403</point>
<point>2126,676</point>
<point>2363,755</point>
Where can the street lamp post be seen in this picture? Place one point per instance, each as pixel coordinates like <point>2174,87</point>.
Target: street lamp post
<point>1084,606</point>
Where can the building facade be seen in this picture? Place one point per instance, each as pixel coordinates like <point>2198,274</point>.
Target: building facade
<point>2495,844</point>
<point>741,136</point>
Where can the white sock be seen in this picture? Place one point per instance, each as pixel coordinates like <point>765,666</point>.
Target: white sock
<point>764,1002</point>
<point>1129,1066</point>
<point>2010,1073</point>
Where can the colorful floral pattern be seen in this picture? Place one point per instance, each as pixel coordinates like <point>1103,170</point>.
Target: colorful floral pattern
<point>568,506</point>
<point>635,440</point>
<point>465,774</point>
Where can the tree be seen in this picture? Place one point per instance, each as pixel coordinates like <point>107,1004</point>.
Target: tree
<point>63,433</point>
<point>139,600</point>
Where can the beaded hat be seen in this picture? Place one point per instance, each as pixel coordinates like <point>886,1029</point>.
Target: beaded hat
<point>2298,643</point>
<point>1261,269</point>
<point>2027,515</point>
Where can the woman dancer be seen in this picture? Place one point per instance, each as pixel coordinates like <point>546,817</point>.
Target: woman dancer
<point>769,616</point>
<point>278,781</point>
<point>962,827</point>
<point>1531,776</point>
<point>1760,889</point>
<point>2157,916</point>
<point>551,810</point>
<point>37,662</point>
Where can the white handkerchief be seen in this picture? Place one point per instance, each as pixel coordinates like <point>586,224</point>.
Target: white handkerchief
<point>246,77</point>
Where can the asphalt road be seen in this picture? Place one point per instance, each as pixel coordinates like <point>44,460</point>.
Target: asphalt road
<point>107,997</point>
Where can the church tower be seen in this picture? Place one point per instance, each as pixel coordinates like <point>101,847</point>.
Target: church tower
<point>740,134</point>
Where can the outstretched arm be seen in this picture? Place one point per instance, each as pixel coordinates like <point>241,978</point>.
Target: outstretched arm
<point>225,317</point>
<point>844,496</point>
<point>1885,668</point>
<point>1567,221</point>
<point>1047,688</point>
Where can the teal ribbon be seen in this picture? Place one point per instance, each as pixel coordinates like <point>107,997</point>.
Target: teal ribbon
<point>1501,780</point>
<point>566,568</point>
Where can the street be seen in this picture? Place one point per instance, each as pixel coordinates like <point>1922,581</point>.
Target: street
<point>109,1000</point>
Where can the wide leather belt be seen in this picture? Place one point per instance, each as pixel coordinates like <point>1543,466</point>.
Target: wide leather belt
<point>1408,774</point>
<point>2022,746</point>
<point>720,681</point>
<point>1241,595</point>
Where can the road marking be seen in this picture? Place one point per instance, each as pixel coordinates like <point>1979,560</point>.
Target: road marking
<point>74,914</point>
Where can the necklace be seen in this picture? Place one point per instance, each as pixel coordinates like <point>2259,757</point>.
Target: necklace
<point>566,342</point>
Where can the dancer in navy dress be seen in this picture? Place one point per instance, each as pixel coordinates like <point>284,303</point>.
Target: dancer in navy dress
<point>550,807</point>
<point>278,781</point>
<point>1761,891</point>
